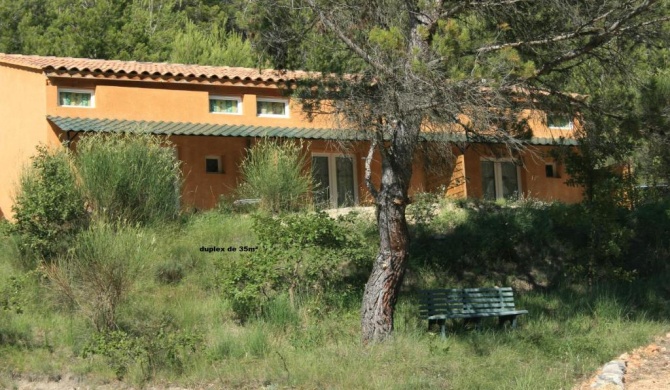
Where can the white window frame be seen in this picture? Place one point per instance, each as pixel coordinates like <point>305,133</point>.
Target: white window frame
<point>273,100</point>
<point>497,175</point>
<point>76,90</point>
<point>223,97</point>
<point>570,125</point>
<point>332,175</point>
<point>219,165</point>
<point>554,168</point>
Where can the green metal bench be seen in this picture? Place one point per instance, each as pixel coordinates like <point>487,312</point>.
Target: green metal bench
<point>437,306</point>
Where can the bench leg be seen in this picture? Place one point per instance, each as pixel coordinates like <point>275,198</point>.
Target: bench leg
<point>443,329</point>
<point>511,319</point>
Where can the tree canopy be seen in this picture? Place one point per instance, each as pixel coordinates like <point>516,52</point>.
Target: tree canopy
<point>426,63</point>
<point>193,31</point>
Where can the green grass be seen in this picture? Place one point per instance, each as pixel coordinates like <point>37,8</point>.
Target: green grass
<point>571,329</point>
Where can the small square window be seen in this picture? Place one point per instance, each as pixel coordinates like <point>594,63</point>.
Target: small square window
<point>559,121</point>
<point>76,98</point>
<point>551,170</point>
<point>213,164</point>
<point>272,107</point>
<point>225,105</point>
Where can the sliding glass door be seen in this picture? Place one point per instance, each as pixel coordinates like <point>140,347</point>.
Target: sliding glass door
<point>334,181</point>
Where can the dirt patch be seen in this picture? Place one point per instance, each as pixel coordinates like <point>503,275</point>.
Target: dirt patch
<point>647,368</point>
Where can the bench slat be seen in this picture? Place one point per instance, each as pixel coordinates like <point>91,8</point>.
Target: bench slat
<point>485,289</point>
<point>468,302</point>
<point>457,316</point>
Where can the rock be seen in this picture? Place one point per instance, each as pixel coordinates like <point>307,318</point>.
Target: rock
<point>611,376</point>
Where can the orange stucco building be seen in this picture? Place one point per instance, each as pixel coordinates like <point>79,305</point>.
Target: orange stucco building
<point>212,115</point>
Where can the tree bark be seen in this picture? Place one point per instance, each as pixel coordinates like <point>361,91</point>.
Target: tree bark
<point>383,286</point>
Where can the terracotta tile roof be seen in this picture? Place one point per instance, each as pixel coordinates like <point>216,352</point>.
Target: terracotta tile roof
<point>148,69</point>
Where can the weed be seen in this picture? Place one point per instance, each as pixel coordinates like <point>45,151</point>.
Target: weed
<point>99,273</point>
<point>170,272</point>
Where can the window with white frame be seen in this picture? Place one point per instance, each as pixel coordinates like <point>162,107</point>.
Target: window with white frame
<point>551,170</point>
<point>500,179</point>
<point>76,97</point>
<point>559,121</point>
<point>335,183</point>
<point>272,107</point>
<point>225,105</point>
<point>213,164</point>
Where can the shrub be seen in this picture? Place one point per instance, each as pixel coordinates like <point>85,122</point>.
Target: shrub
<point>304,253</point>
<point>98,274</point>
<point>131,177</point>
<point>170,272</point>
<point>423,211</point>
<point>275,173</point>
<point>162,348</point>
<point>49,207</point>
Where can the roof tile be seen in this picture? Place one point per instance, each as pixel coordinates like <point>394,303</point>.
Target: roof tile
<point>84,65</point>
<point>224,130</point>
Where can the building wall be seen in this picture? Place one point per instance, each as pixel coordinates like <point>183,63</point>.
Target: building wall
<point>457,187</point>
<point>22,128</point>
<point>537,123</point>
<point>189,102</point>
<point>538,185</point>
<point>534,182</point>
<point>173,102</point>
<point>202,190</point>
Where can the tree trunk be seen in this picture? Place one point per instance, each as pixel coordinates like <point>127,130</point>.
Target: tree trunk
<point>383,286</point>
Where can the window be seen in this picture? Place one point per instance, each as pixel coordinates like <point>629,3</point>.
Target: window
<point>225,105</point>
<point>213,164</point>
<point>559,121</point>
<point>76,98</point>
<point>335,180</point>
<point>500,180</point>
<point>272,107</point>
<point>551,170</point>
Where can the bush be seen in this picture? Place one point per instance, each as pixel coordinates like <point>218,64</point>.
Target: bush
<point>132,177</point>
<point>275,174</point>
<point>49,207</point>
<point>304,253</point>
<point>98,274</point>
<point>423,211</point>
<point>162,348</point>
<point>170,272</point>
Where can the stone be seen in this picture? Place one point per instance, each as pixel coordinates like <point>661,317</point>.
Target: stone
<point>611,378</point>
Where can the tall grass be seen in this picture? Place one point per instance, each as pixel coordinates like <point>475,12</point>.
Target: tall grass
<point>274,172</point>
<point>185,331</point>
<point>131,176</point>
<point>99,272</point>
